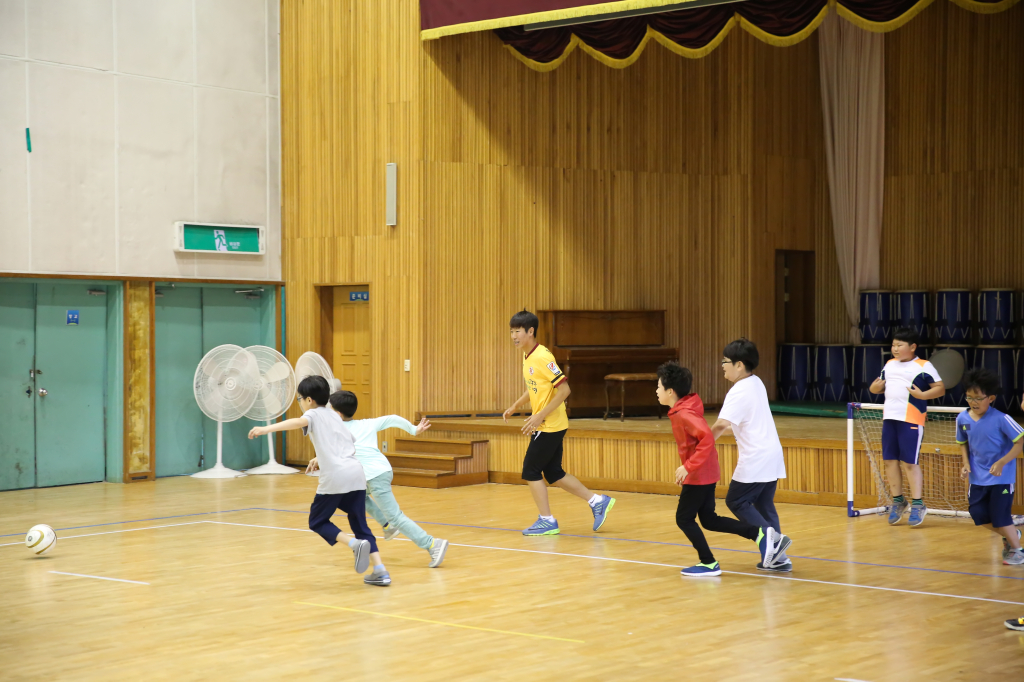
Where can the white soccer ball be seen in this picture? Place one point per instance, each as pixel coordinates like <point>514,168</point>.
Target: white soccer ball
<point>41,539</point>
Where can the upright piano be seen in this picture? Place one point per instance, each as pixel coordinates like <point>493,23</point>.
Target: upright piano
<point>590,344</point>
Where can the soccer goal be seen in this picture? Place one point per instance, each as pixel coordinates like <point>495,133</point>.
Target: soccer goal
<point>944,492</point>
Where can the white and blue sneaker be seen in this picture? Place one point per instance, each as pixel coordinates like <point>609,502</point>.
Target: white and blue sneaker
<point>378,578</point>
<point>601,510</point>
<point>917,514</point>
<point>702,571</point>
<point>896,512</point>
<point>542,527</point>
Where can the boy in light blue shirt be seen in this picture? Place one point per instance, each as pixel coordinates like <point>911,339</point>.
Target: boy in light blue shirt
<point>990,442</point>
<point>380,500</point>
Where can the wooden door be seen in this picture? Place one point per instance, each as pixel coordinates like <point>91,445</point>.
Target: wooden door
<point>351,344</point>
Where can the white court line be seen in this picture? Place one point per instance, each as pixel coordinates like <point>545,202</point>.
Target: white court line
<point>111,532</point>
<point>847,679</point>
<point>100,577</point>
<point>651,563</point>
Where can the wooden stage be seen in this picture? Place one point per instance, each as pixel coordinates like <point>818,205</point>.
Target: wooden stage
<point>639,455</point>
<point>227,583</point>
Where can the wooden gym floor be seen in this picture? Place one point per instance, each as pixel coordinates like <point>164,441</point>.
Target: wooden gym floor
<point>229,585</point>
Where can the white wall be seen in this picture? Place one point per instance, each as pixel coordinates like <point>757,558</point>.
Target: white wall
<point>142,113</point>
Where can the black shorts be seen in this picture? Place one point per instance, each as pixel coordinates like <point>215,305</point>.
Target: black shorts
<point>544,456</point>
<point>991,504</point>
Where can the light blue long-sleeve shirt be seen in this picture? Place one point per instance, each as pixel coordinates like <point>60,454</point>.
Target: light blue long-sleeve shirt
<point>364,431</point>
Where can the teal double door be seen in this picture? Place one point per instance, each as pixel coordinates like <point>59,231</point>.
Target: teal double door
<point>54,382</point>
<point>190,321</point>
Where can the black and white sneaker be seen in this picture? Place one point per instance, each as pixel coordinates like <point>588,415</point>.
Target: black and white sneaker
<point>1016,624</point>
<point>785,567</point>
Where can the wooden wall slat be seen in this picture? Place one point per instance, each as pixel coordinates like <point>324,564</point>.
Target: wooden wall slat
<point>954,166</point>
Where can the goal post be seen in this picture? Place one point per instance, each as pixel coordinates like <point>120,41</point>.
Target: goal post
<point>944,492</point>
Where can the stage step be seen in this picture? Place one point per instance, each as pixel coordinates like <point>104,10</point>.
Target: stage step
<point>432,478</point>
<point>427,463</point>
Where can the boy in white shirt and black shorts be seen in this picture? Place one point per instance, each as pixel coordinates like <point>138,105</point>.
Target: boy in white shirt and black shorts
<point>759,461</point>
<point>342,482</point>
<point>908,383</point>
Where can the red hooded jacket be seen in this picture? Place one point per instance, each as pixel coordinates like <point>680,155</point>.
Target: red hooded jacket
<point>696,444</point>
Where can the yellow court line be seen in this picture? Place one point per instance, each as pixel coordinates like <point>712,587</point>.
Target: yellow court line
<point>438,622</point>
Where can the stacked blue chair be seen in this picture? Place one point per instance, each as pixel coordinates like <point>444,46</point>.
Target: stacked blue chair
<point>912,311</point>
<point>1002,361</point>
<point>876,316</point>
<point>794,371</point>
<point>868,362</point>
<point>953,319</point>
<point>995,317</point>
<point>832,366</point>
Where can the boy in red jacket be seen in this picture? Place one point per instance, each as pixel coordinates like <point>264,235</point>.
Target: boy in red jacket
<point>699,473</point>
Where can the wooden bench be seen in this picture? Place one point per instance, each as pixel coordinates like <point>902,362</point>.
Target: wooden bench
<point>623,379</point>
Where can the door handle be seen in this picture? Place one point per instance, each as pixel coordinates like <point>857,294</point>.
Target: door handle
<point>42,393</point>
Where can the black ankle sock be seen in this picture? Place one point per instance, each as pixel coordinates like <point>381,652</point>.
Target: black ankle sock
<point>918,502</point>
<point>898,499</point>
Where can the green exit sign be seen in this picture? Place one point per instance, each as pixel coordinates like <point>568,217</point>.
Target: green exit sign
<point>216,238</point>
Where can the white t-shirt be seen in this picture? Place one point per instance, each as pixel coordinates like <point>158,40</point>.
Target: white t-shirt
<point>759,458</point>
<point>899,376</point>
<point>340,471</point>
<point>364,431</point>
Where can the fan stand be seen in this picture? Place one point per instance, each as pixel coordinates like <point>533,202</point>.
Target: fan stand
<point>219,470</point>
<point>272,466</point>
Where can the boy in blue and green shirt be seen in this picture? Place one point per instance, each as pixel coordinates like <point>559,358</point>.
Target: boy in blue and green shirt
<point>990,442</point>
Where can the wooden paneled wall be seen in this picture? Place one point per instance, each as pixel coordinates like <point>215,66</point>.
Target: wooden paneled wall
<point>665,185</point>
<point>954,186</point>
<point>349,105</point>
<point>140,416</point>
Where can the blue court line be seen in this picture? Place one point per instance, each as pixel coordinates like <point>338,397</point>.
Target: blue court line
<point>155,518</point>
<point>719,549</point>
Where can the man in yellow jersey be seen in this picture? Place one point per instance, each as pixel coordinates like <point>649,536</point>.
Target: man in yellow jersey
<point>546,391</point>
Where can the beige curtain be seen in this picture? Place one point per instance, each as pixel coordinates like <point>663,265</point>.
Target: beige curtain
<point>852,63</point>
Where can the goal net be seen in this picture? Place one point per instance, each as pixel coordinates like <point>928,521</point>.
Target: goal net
<point>944,492</point>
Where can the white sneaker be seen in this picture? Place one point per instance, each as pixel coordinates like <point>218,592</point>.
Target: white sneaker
<point>1014,558</point>
<point>437,550</point>
<point>390,531</point>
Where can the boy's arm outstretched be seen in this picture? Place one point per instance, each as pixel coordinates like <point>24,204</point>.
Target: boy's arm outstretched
<point>392,421</point>
<point>286,425</point>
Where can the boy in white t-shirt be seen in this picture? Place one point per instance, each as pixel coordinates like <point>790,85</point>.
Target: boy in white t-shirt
<point>908,383</point>
<point>759,461</point>
<point>342,482</point>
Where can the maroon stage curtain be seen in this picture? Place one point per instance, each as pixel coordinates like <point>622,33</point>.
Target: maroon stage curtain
<point>694,29</point>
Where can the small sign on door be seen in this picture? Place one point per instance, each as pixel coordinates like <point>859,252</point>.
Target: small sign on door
<point>358,296</point>
<point>73,317</point>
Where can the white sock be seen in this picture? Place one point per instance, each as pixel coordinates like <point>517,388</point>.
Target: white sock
<point>548,518</point>
<point>594,500</point>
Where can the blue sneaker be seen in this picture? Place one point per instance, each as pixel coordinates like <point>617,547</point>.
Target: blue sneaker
<point>601,510</point>
<point>542,527</point>
<point>896,512</point>
<point>767,544</point>
<point>702,571</point>
<point>917,514</point>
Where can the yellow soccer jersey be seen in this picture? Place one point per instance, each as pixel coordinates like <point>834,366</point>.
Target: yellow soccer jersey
<point>542,377</point>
